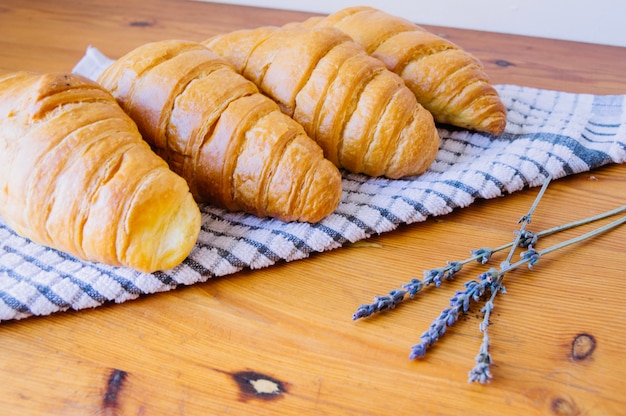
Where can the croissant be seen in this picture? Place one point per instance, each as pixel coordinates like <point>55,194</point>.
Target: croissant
<point>448,81</point>
<point>361,114</point>
<point>76,175</point>
<point>232,144</point>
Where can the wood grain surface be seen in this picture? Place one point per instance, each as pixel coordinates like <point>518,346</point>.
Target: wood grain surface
<point>281,340</point>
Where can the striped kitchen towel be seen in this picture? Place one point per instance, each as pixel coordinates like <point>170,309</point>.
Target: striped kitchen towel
<point>548,132</point>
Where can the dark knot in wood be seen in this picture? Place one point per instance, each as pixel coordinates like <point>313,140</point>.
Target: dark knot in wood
<point>583,346</point>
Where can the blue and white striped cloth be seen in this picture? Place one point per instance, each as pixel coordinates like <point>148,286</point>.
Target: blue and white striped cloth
<point>548,132</point>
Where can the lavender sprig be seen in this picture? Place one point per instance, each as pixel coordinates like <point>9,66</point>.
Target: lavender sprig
<point>482,370</point>
<point>528,238</point>
<point>433,276</point>
<point>483,255</point>
<point>381,303</point>
<point>437,275</point>
<point>390,301</point>
<point>460,302</point>
<point>526,219</point>
<point>490,280</point>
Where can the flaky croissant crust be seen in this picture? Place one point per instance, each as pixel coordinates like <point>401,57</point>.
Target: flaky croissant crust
<point>450,82</point>
<point>232,144</point>
<point>76,175</point>
<point>362,115</point>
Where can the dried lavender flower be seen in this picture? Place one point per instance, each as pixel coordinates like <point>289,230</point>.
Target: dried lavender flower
<point>483,255</point>
<point>433,276</point>
<point>438,274</point>
<point>460,302</point>
<point>447,317</point>
<point>526,219</point>
<point>527,238</point>
<point>414,286</point>
<point>390,301</point>
<point>381,303</point>
<point>481,372</point>
<point>491,281</point>
<point>532,255</point>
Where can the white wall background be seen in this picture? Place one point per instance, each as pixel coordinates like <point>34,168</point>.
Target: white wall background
<point>597,21</point>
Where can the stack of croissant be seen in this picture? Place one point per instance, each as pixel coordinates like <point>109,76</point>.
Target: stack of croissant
<point>260,121</point>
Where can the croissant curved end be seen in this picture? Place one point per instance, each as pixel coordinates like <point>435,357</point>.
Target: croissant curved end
<point>162,228</point>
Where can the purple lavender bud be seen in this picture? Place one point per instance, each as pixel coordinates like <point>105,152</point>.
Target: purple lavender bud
<point>466,300</point>
<point>434,275</point>
<point>480,373</point>
<point>484,253</point>
<point>531,255</point>
<point>452,317</point>
<point>440,326</point>
<point>417,351</point>
<point>414,286</point>
<point>453,268</point>
<point>397,296</point>
<point>490,275</point>
<point>527,238</point>
<point>362,311</point>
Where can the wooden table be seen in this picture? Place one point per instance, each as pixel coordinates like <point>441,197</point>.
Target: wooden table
<point>281,340</point>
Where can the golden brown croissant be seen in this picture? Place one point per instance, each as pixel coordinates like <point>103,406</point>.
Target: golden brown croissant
<point>361,114</point>
<point>76,175</point>
<point>232,144</point>
<point>448,81</point>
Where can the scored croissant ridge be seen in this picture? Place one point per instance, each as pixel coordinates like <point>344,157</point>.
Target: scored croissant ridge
<point>76,175</point>
<point>232,144</point>
<point>361,114</point>
<point>448,81</point>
